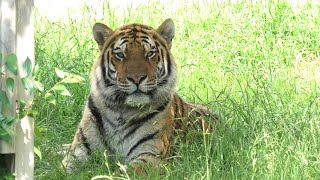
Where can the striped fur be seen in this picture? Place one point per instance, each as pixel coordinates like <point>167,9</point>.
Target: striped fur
<point>132,110</point>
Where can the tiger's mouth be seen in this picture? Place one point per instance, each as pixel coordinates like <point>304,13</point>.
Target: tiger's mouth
<point>138,98</point>
<point>138,92</point>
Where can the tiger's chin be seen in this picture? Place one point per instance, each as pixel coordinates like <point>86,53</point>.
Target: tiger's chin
<point>138,100</point>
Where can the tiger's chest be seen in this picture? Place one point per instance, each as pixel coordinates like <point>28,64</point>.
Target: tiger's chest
<point>132,132</point>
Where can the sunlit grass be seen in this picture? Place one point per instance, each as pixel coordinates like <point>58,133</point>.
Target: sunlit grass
<point>256,65</point>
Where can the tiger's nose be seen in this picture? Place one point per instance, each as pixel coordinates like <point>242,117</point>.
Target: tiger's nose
<point>137,79</point>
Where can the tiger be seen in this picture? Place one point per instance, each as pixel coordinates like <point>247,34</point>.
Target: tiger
<point>132,110</point>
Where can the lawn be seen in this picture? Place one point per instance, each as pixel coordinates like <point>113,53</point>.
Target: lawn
<point>256,64</point>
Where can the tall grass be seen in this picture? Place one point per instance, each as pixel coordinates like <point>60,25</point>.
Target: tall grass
<point>256,64</point>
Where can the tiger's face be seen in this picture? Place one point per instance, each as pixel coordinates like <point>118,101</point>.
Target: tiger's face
<point>136,62</point>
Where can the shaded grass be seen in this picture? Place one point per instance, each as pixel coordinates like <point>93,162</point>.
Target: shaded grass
<point>247,61</point>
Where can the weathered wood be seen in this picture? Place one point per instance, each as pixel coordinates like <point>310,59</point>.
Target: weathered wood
<point>24,142</point>
<point>7,45</point>
<point>17,36</point>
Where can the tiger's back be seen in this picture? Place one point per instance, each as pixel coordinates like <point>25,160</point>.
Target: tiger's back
<point>133,110</point>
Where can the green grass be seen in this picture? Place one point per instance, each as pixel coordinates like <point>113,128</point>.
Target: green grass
<point>257,65</point>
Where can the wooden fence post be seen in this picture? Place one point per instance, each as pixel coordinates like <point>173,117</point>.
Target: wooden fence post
<point>17,36</point>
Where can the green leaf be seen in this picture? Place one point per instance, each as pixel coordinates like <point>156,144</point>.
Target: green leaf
<point>11,63</point>
<point>60,73</point>
<point>2,118</point>
<point>32,113</point>
<point>39,132</point>
<point>36,69</point>
<point>50,98</point>
<point>37,152</point>
<point>21,108</point>
<point>27,67</point>
<point>73,79</point>
<point>10,83</point>
<point>38,85</point>
<point>9,121</point>
<point>4,100</point>
<point>27,84</point>
<point>5,135</point>
<point>62,90</point>
<point>6,128</point>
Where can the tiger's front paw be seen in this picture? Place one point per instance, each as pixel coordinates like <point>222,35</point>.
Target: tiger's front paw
<point>68,165</point>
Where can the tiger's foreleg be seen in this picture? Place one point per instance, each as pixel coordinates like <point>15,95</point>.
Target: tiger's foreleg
<point>157,149</point>
<point>79,151</point>
<point>84,142</point>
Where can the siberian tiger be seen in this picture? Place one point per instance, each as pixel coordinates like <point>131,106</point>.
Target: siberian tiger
<point>133,110</point>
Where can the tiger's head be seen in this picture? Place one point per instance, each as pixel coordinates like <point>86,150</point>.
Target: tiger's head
<point>135,66</point>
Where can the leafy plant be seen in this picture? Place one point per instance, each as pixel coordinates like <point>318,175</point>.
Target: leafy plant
<point>8,63</point>
<point>10,73</point>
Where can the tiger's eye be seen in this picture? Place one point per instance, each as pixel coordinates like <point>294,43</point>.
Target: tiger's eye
<point>150,54</point>
<point>120,55</point>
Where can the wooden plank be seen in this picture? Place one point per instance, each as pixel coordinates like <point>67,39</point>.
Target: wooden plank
<point>17,36</point>
<point>7,45</point>
<point>24,142</point>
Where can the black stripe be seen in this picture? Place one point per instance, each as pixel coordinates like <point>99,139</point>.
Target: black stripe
<point>176,110</point>
<point>161,58</point>
<point>142,140</point>
<point>163,82</point>
<point>112,45</point>
<point>143,40</point>
<point>144,32</point>
<point>84,141</point>
<point>161,52</point>
<point>111,72</point>
<point>162,72</point>
<point>139,122</point>
<point>99,121</point>
<point>108,57</point>
<point>123,37</point>
<point>116,99</point>
<point>169,64</point>
<point>103,66</point>
<point>113,107</point>
<point>161,43</point>
<point>151,93</point>
<point>120,97</point>
<point>106,81</point>
<point>103,138</point>
<point>125,41</point>
<point>143,161</point>
<point>145,153</point>
<point>181,107</point>
<point>144,37</point>
<point>97,116</point>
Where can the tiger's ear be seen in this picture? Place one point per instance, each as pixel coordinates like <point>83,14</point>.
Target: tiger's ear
<point>100,33</point>
<point>166,30</point>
